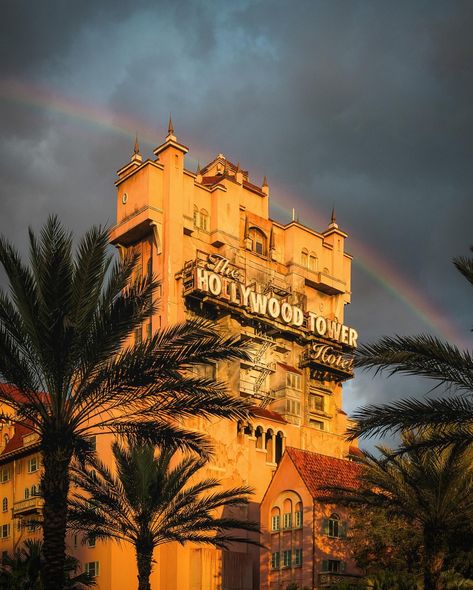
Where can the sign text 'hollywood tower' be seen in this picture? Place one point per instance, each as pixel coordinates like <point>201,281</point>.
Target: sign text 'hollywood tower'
<point>221,280</point>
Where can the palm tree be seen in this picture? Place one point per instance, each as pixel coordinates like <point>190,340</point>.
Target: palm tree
<point>153,500</point>
<point>431,491</point>
<point>65,331</point>
<point>23,570</point>
<point>448,420</point>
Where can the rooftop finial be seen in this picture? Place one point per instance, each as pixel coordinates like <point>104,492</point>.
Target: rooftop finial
<point>198,168</point>
<point>136,148</point>
<point>265,181</point>
<point>333,219</point>
<point>238,169</point>
<point>170,126</point>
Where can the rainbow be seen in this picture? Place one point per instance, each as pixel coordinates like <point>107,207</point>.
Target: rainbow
<point>122,123</point>
<point>385,274</point>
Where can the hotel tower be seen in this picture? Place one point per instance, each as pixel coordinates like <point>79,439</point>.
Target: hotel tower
<point>282,288</point>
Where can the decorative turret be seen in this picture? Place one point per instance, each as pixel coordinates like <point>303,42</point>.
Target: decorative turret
<point>265,187</point>
<point>170,135</point>
<point>238,174</point>
<point>198,174</point>
<point>333,220</point>
<point>170,140</point>
<point>136,157</point>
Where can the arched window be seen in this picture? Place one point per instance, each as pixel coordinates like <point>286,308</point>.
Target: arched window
<point>259,437</point>
<point>5,504</point>
<point>196,217</point>
<point>204,220</point>
<point>275,519</point>
<point>27,493</point>
<point>312,261</point>
<point>269,446</point>
<point>298,516</point>
<point>258,241</point>
<point>304,255</point>
<point>248,430</point>
<point>287,514</point>
<point>34,490</point>
<point>279,446</point>
<point>334,527</point>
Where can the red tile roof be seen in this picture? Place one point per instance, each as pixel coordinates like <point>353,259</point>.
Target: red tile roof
<point>16,441</point>
<point>269,414</point>
<point>355,451</point>
<point>252,187</point>
<point>212,179</point>
<point>321,470</point>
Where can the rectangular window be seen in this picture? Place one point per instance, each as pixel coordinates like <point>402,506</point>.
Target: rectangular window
<point>298,519</point>
<point>207,371</point>
<point>92,568</point>
<point>4,531</point>
<point>287,520</point>
<point>317,424</point>
<point>334,566</point>
<point>316,402</point>
<point>275,561</point>
<point>298,557</point>
<point>91,543</point>
<point>33,464</point>
<point>333,528</point>
<point>4,474</point>
<point>275,523</point>
<point>293,380</point>
<point>287,558</point>
<point>293,407</point>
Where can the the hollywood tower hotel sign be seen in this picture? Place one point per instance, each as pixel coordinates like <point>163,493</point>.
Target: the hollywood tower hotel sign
<point>215,279</point>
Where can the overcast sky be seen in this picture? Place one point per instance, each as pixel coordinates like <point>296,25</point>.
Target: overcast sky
<point>365,106</point>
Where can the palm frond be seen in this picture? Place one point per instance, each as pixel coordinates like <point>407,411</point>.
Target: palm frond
<point>444,414</point>
<point>422,355</point>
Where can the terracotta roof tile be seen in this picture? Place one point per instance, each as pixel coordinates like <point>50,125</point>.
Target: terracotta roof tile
<point>252,187</point>
<point>212,179</point>
<point>321,470</point>
<point>16,441</point>
<point>355,451</point>
<point>264,413</point>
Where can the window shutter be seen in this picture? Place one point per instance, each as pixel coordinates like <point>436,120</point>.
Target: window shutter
<point>344,526</point>
<point>325,565</point>
<point>325,526</point>
<point>343,566</point>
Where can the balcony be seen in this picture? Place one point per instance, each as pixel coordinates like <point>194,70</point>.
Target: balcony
<point>29,506</point>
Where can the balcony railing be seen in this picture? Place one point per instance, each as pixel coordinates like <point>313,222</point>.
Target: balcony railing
<point>27,506</point>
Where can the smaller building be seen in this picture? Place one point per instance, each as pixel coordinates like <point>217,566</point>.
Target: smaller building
<point>307,539</point>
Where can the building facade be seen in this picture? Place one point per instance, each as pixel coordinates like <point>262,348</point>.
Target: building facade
<point>307,539</point>
<point>282,288</point>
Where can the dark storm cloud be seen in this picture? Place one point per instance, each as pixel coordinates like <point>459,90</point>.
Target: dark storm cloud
<point>365,105</point>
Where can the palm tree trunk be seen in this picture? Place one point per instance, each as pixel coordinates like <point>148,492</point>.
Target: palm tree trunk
<point>55,488</point>
<point>144,560</point>
<point>434,558</point>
